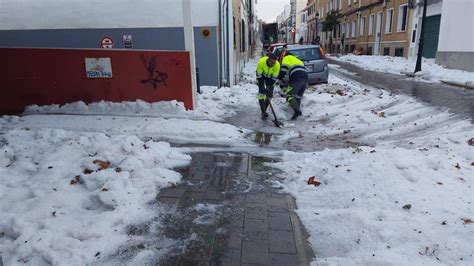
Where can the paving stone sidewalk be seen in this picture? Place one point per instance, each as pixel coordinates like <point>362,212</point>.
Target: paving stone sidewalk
<point>256,224</point>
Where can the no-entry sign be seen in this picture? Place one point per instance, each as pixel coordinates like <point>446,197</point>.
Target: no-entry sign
<point>107,43</point>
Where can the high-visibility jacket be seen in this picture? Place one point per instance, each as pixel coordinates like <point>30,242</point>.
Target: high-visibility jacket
<point>264,71</point>
<point>292,68</point>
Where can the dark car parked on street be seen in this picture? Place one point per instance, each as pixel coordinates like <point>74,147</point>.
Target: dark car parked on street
<point>314,59</point>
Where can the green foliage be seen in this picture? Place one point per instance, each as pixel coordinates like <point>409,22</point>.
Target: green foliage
<point>330,23</point>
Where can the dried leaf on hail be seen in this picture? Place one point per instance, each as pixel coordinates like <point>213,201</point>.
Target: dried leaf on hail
<point>312,181</point>
<point>102,165</point>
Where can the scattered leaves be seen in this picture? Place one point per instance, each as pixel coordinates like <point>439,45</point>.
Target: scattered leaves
<point>407,206</point>
<point>467,221</point>
<point>347,131</point>
<point>102,165</point>
<point>105,189</point>
<point>312,181</point>
<point>382,114</point>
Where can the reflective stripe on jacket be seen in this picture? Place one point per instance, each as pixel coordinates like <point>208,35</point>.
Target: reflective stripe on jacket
<point>290,66</point>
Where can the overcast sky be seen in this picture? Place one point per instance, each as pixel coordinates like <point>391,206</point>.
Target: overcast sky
<point>268,10</point>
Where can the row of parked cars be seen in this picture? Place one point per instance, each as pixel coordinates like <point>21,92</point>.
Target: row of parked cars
<point>313,57</point>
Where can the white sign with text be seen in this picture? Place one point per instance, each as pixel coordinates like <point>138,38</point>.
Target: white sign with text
<point>99,67</point>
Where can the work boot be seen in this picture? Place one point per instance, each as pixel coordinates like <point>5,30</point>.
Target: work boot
<point>263,108</point>
<point>296,108</point>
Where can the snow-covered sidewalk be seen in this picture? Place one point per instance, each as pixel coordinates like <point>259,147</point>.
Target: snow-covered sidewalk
<point>431,72</point>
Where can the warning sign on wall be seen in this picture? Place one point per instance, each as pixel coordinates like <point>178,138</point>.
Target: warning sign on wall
<point>107,43</point>
<point>98,67</point>
<point>127,41</point>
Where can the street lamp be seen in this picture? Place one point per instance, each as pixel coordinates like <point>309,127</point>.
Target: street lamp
<point>317,26</point>
<point>420,42</point>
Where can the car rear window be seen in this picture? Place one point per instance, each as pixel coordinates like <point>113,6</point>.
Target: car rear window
<point>307,54</point>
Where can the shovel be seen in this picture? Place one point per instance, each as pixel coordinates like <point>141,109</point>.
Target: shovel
<point>275,120</point>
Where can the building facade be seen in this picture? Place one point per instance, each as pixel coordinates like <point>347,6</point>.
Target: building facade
<point>373,27</point>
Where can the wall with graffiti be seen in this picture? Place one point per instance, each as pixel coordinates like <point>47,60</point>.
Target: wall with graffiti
<point>164,38</point>
<point>58,76</point>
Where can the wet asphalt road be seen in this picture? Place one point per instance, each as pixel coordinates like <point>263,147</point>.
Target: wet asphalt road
<point>459,101</point>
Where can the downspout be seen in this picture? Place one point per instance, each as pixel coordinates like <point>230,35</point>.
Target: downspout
<point>224,19</point>
<point>219,59</point>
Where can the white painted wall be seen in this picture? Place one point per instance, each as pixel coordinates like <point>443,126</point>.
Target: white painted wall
<point>457,26</point>
<point>300,5</point>
<point>73,14</point>
<point>431,10</point>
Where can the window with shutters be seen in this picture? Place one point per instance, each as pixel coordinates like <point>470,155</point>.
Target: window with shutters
<point>402,18</point>
<point>371,24</point>
<point>362,26</point>
<point>353,31</point>
<point>388,21</point>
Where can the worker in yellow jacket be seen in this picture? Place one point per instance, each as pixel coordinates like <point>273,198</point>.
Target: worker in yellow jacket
<point>268,70</point>
<point>293,73</point>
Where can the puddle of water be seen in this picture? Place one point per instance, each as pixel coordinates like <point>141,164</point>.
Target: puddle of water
<point>262,138</point>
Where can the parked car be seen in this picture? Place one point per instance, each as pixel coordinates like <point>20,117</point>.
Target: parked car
<point>314,59</point>
<point>274,46</point>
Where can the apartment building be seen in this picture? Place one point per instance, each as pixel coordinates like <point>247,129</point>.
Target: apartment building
<point>243,34</point>
<point>374,27</point>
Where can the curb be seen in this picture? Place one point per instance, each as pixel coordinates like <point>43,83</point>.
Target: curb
<point>466,85</point>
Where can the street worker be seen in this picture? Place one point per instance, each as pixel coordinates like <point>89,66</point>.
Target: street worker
<point>268,69</point>
<point>293,74</point>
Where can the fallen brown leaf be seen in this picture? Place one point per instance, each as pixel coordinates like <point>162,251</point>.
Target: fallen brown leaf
<point>312,181</point>
<point>471,142</point>
<point>88,171</point>
<point>467,221</point>
<point>382,114</point>
<point>105,189</point>
<point>102,165</point>
<point>76,179</point>
<point>407,206</point>
<point>472,164</point>
<point>458,166</point>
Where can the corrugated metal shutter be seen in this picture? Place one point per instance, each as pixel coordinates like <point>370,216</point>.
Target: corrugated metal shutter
<point>431,36</point>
